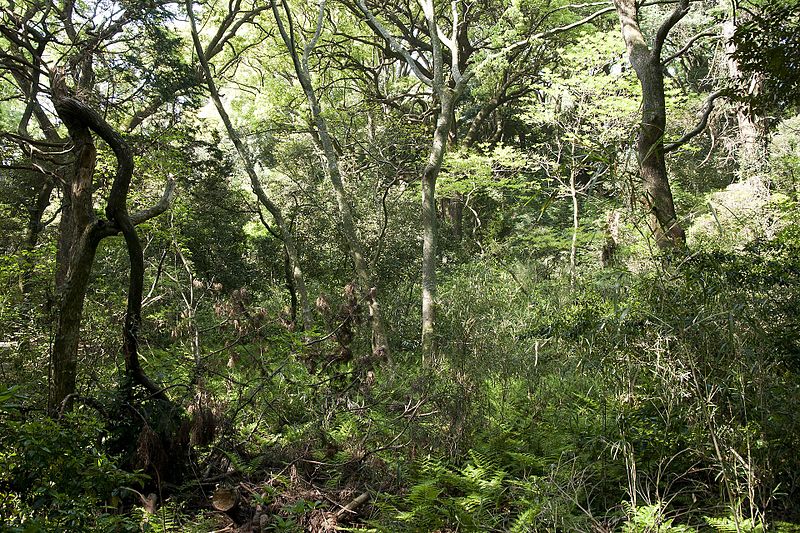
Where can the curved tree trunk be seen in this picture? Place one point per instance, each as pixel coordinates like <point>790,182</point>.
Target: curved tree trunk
<point>82,232</point>
<point>79,245</point>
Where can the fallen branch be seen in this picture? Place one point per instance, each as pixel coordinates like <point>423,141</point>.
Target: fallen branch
<point>353,505</point>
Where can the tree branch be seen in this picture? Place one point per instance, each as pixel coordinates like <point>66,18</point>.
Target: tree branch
<point>708,108</point>
<point>514,47</point>
<point>687,46</point>
<point>678,13</point>
<point>393,44</point>
<point>577,23</point>
<point>161,206</point>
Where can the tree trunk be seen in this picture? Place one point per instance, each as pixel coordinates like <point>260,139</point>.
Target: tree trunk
<point>657,197</point>
<point>380,341</point>
<point>429,224</point>
<point>70,313</point>
<point>607,254</point>
<point>77,245</point>
<point>446,91</point>
<point>650,147</point>
<point>453,211</point>
<point>751,144</point>
<point>480,119</point>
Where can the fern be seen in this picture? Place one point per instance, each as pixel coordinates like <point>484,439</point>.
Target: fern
<point>491,490</point>
<point>524,523</point>
<point>729,525</point>
<point>651,519</point>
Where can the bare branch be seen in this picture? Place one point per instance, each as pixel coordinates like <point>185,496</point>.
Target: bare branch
<point>572,26</point>
<point>516,46</point>
<point>393,44</point>
<point>310,45</point>
<point>452,44</point>
<point>677,14</point>
<point>687,46</point>
<point>161,206</point>
<point>701,125</point>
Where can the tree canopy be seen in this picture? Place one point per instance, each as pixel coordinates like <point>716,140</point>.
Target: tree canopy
<point>768,46</point>
<point>519,265</point>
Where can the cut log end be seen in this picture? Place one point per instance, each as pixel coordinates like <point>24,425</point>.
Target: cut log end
<point>225,499</point>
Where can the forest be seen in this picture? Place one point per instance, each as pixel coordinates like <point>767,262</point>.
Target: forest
<point>424,266</point>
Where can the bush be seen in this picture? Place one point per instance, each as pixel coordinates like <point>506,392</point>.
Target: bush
<point>54,475</point>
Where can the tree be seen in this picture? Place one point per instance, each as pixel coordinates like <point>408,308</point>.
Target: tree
<point>646,61</point>
<point>444,49</point>
<point>649,65</point>
<point>81,121</point>
<point>447,80</point>
<point>68,77</point>
<point>367,282</point>
<point>290,247</point>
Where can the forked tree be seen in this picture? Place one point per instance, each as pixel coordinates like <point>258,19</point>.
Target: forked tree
<point>649,66</point>
<point>52,52</point>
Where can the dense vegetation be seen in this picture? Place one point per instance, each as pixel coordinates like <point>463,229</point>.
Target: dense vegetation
<point>523,265</point>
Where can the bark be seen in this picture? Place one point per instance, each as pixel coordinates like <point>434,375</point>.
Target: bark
<point>429,223</point>
<point>367,283</point>
<point>79,242</point>
<point>751,144</point>
<point>657,197</point>
<point>248,160</point>
<point>70,313</point>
